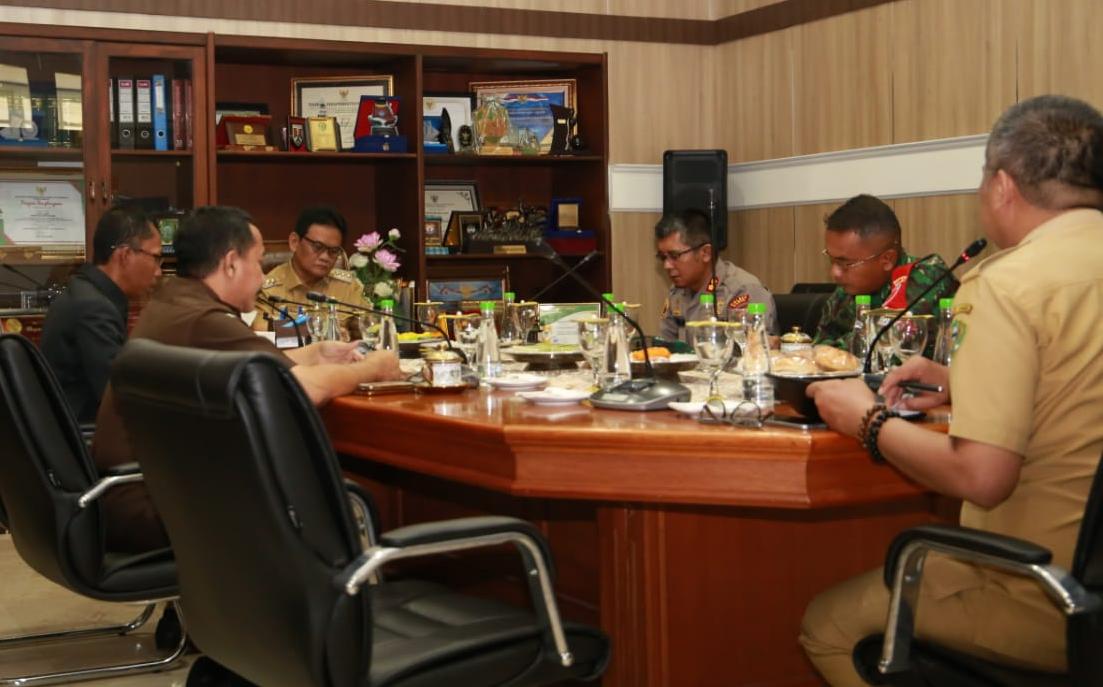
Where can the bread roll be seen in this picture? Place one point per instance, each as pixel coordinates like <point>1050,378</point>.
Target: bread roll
<point>793,365</point>
<point>830,359</point>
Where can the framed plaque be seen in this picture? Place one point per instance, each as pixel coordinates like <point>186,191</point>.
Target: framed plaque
<point>434,236</point>
<point>245,133</point>
<point>565,214</point>
<point>296,134</point>
<point>442,198</point>
<point>459,107</point>
<point>528,105</point>
<point>321,134</point>
<point>338,97</point>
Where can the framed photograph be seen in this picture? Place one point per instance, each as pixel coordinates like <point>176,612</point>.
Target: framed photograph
<point>459,106</point>
<point>464,225</point>
<point>442,198</point>
<point>456,292</point>
<point>434,236</point>
<point>238,109</point>
<point>528,104</point>
<point>339,97</point>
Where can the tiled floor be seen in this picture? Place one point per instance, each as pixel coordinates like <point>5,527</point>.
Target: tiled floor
<point>31,603</point>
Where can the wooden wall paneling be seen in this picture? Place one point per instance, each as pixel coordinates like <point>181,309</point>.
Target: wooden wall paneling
<point>755,97</point>
<point>809,264</point>
<point>637,276</point>
<point>1060,50</point>
<point>762,242</point>
<point>953,67</point>
<point>726,8</point>
<point>843,82</point>
<point>659,8</point>
<point>941,224</point>
<point>659,99</point>
<point>584,6</point>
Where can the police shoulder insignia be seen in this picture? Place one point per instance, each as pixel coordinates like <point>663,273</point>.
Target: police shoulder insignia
<point>270,282</point>
<point>963,308</point>
<point>713,283</point>
<point>666,308</point>
<point>739,301</point>
<point>342,275</point>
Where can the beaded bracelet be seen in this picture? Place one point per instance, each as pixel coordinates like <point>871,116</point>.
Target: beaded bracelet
<point>874,431</point>
<point>864,427</point>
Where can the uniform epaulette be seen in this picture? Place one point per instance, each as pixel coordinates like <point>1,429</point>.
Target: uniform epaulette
<point>342,275</point>
<point>270,282</point>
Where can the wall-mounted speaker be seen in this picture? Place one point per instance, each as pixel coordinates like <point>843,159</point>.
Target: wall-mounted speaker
<point>698,179</point>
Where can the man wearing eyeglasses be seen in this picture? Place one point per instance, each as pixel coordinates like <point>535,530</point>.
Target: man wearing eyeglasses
<point>867,256</point>
<point>86,325</point>
<point>316,243</point>
<point>685,252</point>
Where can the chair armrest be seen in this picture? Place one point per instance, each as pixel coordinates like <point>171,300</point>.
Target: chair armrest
<point>979,541</point>
<point>87,431</point>
<point>362,501</point>
<point>461,534</point>
<point>904,573</point>
<point>126,473</point>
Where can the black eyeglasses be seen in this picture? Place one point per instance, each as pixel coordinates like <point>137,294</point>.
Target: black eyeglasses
<point>158,258</point>
<point>674,255</point>
<point>319,247</point>
<point>746,414</point>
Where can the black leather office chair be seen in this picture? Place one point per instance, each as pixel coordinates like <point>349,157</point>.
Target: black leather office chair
<point>896,659</point>
<point>50,490</point>
<point>273,580</point>
<point>799,310</point>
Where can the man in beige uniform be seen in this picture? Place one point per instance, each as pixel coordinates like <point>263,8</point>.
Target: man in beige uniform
<point>685,252</point>
<point>1027,386</point>
<point>315,244</point>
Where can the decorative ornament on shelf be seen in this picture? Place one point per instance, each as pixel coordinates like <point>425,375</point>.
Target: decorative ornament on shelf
<point>375,263</point>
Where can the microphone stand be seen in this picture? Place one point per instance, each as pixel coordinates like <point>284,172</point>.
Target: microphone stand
<point>318,297</point>
<point>577,266</point>
<point>283,311</point>
<point>647,393</point>
<point>966,255</point>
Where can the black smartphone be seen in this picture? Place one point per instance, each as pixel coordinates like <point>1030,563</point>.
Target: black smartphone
<point>378,388</point>
<point>794,421</point>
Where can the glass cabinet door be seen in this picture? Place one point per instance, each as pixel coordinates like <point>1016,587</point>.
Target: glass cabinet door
<point>46,196</point>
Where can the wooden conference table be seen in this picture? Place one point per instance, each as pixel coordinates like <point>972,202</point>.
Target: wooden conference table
<point>695,547</point>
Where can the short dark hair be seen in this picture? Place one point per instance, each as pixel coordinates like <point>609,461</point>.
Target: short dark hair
<point>325,215</point>
<point>208,233</point>
<point>119,226</point>
<point>867,215</point>
<point>1052,146</point>
<point>691,224</point>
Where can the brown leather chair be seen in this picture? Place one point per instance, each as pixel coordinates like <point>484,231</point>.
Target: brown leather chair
<point>275,584</point>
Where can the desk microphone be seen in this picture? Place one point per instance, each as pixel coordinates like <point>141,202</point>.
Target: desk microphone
<point>577,266</point>
<point>646,393</point>
<point>319,297</point>
<point>968,254</point>
<point>282,311</point>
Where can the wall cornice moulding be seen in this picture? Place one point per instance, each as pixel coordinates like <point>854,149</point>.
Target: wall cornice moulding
<point>926,168</point>
<point>419,16</point>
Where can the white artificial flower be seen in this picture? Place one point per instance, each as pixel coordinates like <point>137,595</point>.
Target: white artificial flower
<point>358,260</point>
<point>394,234</point>
<point>383,290</point>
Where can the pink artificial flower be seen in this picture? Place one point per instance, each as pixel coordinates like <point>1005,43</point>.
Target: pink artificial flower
<point>386,259</point>
<point>369,242</point>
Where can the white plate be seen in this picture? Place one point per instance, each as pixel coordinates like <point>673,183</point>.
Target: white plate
<point>694,408</point>
<point>555,396</point>
<point>518,381</point>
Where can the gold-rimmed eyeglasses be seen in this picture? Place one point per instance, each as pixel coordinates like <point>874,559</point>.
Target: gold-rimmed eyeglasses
<point>844,264</point>
<point>745,414</point>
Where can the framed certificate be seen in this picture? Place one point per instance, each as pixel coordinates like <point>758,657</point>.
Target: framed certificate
<point>46,212</point>
<point>560,320</point>
<point>442,198</point>
<point>459,106</point>
<point>338,97</point>
<point>528,104</point>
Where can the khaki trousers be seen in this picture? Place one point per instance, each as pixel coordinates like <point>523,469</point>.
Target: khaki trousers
<point>992,616</point>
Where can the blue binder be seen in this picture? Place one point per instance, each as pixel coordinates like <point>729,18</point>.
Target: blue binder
<point>160,113</point>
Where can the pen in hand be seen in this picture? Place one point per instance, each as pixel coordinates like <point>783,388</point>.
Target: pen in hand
<point>919,386</point>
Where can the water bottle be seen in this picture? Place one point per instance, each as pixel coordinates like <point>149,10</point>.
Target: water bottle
<point>944,345</point>
<point>707,300</point>
<point>757,387</point>
<point>859,333</point>
<point>618,364</point>
<point>607,298</point>
<point>388,330</point>
<point>332,328</point>
<point>489,358</point>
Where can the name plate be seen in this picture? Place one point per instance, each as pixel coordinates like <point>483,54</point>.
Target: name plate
<point>510,249</point>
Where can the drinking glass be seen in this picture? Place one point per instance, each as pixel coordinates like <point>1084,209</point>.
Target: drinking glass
<point>316,324</point>
<point>593,339</point>
<point>714,342</point>
<point>908,336</point>
<point>883,354</point>
<point>427,312</point>
<point>528,316</point>
<point>369,328</point>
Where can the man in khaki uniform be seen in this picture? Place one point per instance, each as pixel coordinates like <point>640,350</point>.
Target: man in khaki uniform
<point>315,244</point>
<point>685,251</point>
<point>1027,387</point>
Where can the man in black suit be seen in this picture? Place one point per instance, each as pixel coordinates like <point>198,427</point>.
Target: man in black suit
<point>86,325</point>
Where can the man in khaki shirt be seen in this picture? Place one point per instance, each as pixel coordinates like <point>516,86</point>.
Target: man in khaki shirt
<point>315,243</point>
<point>1027,387</point>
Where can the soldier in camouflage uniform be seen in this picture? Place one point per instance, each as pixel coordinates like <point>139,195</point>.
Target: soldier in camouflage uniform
<point>315,243</point>
<point>684,245</point>
<point>867,257</point>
